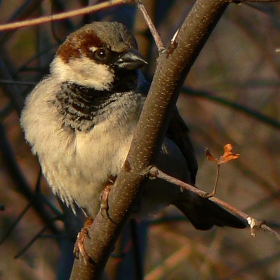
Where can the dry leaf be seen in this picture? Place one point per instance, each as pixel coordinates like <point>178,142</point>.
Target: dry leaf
<point>209,156</point>
<point>228,155</point>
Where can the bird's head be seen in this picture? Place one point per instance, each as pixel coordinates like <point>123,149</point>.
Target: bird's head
<point>96,54</point>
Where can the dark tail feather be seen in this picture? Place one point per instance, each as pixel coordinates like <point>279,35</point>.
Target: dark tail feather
<point>204,214</point>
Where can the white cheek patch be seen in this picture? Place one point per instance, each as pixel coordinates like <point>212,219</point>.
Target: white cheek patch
<point>83,71</point>
<point>93,49</point>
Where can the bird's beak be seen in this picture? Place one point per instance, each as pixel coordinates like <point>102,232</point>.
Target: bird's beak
<point>130,60</point>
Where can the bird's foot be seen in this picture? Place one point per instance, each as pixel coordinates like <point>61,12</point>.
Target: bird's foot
<point>104,204</point>
<point>79,249</point>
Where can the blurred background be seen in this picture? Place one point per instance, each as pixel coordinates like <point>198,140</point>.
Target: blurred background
<point>232,95</point>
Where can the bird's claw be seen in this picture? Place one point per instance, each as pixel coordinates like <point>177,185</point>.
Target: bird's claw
<point>79,249</point>
<point>104,205</point>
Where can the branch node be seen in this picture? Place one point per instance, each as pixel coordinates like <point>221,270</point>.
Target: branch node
<point>173,44</point>
<point>127,166</point>
<point>162,50</point>
<point>207,195</point>
<point>253,223</point>
<point>152,172</point>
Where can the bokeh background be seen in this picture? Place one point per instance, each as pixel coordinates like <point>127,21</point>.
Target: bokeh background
<point>232,95</point>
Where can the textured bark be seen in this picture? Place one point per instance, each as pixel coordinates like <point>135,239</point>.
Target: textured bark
<point>173,66</point>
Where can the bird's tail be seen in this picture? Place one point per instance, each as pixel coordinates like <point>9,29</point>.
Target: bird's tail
<point>204,213</point>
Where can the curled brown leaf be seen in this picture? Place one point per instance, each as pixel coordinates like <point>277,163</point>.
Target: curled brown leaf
<point>228,155</point>
<point>209,156</point>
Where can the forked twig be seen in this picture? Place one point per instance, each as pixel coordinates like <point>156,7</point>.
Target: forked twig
<point>226,157</point>
<point>153,172</point>
<point>216,182</point>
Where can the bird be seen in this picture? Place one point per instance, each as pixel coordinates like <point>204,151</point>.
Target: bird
<point>80,121</point>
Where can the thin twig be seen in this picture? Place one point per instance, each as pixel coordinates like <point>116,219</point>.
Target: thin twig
<point>270,230</point>
<point>216,182</point>
<point>35,237</point>
<point>154,172</point>
<point>76,12</point>
<point>87,10</point>
<point>37,196</point>
<point>238,107</point>
<point>158,41</point>
<point>16,221</point>
<point>19,180</point>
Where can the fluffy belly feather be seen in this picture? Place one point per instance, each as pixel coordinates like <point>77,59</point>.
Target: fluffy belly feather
<point>80,174</point>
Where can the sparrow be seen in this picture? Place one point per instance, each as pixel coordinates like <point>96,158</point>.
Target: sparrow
<point>80,121</point>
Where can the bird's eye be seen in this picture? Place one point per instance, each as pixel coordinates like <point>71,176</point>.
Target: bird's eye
<point>102,55</point>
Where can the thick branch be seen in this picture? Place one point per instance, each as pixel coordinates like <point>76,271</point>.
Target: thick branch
<point>172,69</point>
